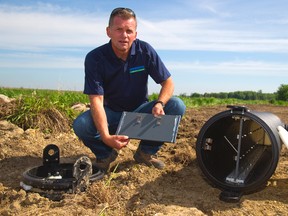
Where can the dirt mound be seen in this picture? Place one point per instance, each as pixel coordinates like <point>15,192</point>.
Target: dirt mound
<point>133,189</point>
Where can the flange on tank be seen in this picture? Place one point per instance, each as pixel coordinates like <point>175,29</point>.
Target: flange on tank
<point>238,150</point>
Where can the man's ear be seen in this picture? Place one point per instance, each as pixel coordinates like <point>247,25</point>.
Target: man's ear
<point>108,31</point>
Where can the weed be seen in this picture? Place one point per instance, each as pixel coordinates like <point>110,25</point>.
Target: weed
<point>112,175</point>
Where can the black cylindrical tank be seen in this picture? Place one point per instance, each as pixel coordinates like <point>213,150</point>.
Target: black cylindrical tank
<point>238,150</point>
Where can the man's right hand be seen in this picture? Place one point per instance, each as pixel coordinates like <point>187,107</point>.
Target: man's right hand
<point>116,141</point>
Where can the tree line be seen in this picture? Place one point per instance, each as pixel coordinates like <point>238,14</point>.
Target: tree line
<point>280,94</point>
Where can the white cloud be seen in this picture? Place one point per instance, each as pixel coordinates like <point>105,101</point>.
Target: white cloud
<point>33,29</point>
<point>36,60</point>
<point>211,35</point>
<point>22,30</point>
<point>245,68</point>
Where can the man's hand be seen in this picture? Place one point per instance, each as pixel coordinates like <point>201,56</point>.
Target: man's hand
<point>100,119</point>
<point>158,110</point>
<point>116,141</point>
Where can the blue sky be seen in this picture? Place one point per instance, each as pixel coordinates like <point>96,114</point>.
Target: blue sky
<point>208,45</point>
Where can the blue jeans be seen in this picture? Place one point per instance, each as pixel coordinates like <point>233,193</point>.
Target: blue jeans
<point>85,129</point>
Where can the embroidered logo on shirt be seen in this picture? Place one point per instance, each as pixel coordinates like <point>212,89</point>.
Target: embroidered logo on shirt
<point>137,69</point>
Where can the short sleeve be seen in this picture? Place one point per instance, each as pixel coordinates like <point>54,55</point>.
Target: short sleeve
<point>93,83</point>
<point>157,69</point>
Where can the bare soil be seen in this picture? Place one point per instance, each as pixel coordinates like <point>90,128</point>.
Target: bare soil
<point>134,189</point>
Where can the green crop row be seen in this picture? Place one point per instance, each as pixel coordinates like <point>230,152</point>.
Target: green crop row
<point>31,107</point>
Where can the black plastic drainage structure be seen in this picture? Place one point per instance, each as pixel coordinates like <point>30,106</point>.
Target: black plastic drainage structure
<point>238,150</point>
<point>60,177</point>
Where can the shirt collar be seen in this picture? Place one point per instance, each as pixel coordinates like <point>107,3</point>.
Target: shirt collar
<point>132,49</point>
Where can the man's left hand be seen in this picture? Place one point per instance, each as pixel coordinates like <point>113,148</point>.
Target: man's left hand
<point>158,110</point>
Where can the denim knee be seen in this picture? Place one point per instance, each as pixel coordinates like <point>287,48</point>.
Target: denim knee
<point>83,126</point>
<point>78,126</point>
<point>175,106</point>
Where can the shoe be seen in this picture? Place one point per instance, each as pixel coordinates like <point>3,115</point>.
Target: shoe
<point>103,164</point>
<point>148,159</point>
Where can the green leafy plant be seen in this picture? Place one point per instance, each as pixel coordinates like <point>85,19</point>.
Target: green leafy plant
<point>50,110</point>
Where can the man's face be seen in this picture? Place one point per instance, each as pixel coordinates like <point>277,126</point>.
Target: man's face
<point>122,33</point>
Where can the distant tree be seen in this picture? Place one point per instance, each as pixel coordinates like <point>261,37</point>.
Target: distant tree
<point>223,95</point>
<point>282,93</point>
<point>242,95</point>
<point>183,95</point>
<point>195,95</point>
<point>260,95</point>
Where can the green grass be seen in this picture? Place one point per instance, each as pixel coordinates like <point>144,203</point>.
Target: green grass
<point>32,106</point>
<point>31,103</point>
<point>65,99</point>
<point>200,102</point>
<point>35,100</point>
<point>60,98</point>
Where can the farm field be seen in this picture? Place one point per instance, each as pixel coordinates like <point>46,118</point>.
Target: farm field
<point>134,189</point>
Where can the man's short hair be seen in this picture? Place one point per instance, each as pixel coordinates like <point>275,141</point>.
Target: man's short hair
<point>125,13</point>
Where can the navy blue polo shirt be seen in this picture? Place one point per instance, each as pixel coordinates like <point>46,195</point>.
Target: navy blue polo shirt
<point>123,83</point>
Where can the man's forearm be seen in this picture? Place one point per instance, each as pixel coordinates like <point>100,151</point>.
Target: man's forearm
<point>166,91</point>
<point>100,120</point>
<point>99,115</point>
